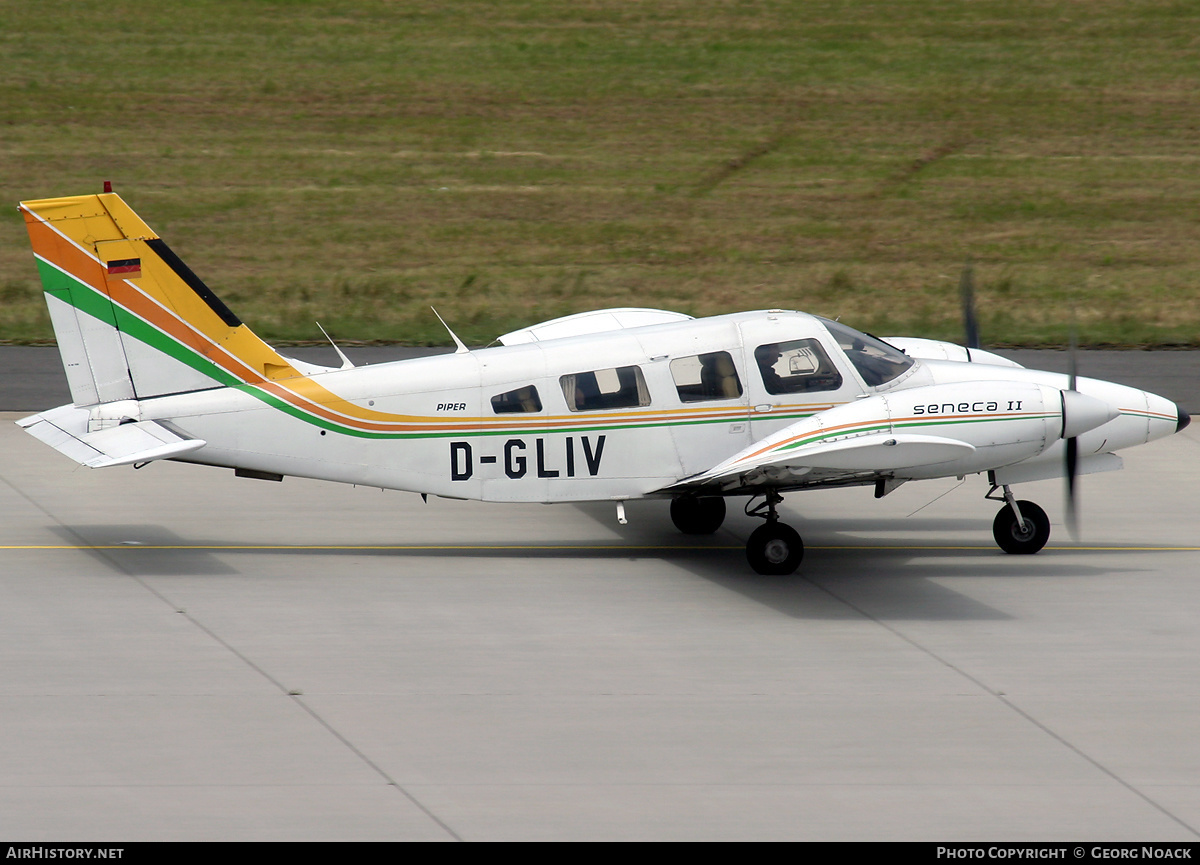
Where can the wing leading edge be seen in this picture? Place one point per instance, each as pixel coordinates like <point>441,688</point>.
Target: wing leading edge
<point>773,464</point>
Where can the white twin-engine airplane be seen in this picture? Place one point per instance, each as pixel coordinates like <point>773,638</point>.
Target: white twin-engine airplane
<point>609,405</point>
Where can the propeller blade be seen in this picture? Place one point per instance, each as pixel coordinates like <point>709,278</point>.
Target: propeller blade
<point>1073,366</point>
<point>1071,458</point>
<point>966,290</point>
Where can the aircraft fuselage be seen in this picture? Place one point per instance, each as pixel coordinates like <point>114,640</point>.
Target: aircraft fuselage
<point>432,424</point>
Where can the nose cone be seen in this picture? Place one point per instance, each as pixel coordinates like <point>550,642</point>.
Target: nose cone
<point>1082,413</point>
<point>1184,420</point>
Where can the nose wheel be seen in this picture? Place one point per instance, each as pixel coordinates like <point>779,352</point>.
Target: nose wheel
<point>1020,527</point>
<point>774,549</point>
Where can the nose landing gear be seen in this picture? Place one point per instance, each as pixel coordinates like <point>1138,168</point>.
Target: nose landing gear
<point>1020,527</point>
<point>774,549</point>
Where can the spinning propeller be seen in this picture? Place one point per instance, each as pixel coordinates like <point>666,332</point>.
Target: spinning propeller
<point>966,289</point>
<point>1080,412</point>
<point>1071,451</point>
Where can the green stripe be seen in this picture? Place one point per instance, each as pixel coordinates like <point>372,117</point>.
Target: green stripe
<point>87,299</point>
<point>878,425</point>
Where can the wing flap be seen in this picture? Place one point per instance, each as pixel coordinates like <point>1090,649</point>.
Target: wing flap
<point>65,430</point>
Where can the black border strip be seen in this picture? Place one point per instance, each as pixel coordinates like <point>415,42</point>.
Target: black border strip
<point>194,282</point>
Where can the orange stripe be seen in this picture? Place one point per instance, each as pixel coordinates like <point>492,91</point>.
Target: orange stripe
<point>890,422</point>
<point>57,249</point>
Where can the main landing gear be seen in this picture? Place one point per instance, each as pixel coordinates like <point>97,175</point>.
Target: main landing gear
<point>1020,527</point>
<point>774,549</point>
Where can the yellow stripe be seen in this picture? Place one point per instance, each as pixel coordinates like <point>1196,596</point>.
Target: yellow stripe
<point>95,223</point>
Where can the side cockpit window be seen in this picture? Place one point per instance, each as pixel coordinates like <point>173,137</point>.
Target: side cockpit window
<point>796,367</point>
<point>523,399</point>
<point>706,377</point>
<point>621,387</point>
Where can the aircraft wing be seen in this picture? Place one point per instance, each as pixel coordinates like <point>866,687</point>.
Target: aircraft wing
<point>927,431</point>
<point>796,456</point>
<point>65,430</point>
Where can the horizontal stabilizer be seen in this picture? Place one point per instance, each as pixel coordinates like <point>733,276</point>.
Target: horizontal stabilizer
<point>65,430</point>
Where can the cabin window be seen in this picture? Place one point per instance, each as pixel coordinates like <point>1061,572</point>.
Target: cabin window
<point>705,377</point>
<point>796,367</point>
<point>876,361</point>
<point>622,387</point>
<point>523,399</point>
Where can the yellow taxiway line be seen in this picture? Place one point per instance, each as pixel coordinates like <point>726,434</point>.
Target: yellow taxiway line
<point>216,548</point>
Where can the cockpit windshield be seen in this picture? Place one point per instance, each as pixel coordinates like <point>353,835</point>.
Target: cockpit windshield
<point>876,361</point>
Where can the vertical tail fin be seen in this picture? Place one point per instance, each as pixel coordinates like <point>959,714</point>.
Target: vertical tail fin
<point>131,319</point>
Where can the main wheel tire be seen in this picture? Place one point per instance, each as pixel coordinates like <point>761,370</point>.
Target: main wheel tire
<point>774,549</point>
<point>698,516</point>
<point>1017,539</point>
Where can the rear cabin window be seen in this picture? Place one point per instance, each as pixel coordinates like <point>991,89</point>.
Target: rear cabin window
<point>798,366</point>
<point>523,399</point>
<point>706,377</point>
<point>622,387</point>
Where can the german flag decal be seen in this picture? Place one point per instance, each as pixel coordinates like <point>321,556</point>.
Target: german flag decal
<point>126,268</point>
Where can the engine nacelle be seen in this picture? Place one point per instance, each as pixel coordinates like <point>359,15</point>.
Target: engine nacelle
<point>1006,422</point>
<point>935,349</point>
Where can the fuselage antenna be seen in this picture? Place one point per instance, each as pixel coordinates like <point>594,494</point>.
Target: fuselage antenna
<point>346,362</point>
<point>461,348</point>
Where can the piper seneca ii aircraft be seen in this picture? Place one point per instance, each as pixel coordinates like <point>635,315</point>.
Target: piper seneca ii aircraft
<point>612,405</point>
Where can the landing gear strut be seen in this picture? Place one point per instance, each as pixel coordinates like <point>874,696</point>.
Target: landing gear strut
<point>773,549</point>
<point>1020,527</point>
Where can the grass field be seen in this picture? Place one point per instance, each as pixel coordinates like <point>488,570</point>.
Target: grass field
<point>507,162</point>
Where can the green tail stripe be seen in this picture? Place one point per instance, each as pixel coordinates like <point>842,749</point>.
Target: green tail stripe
<point>88,300</point>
